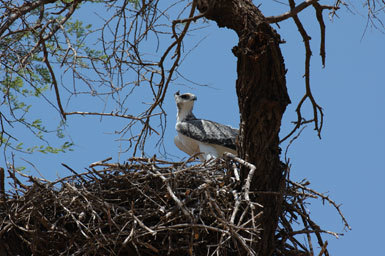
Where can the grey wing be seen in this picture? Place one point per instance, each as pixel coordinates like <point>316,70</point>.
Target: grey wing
<point>209,132</point>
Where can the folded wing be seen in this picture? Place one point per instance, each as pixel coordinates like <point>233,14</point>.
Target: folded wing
<point>209,132</point>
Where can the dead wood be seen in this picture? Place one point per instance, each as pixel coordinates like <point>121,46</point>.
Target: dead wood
<point>148,206</point>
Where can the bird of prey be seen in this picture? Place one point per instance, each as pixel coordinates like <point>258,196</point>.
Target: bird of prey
<point>195,135</point>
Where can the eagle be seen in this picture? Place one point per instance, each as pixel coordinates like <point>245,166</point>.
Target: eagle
<point>195,135</point>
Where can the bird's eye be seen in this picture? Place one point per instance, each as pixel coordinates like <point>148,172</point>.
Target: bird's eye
<point>184,96</point>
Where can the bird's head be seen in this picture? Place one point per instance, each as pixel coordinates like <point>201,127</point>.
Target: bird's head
<point>185,104</point>
<point>185,101</point>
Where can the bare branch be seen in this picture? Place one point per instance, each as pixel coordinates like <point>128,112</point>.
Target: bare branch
<point>317,110</point>
<point>324,198</point>
<point>293,12</point>
<point>17,12</point>
<point>150,204</point>
<point>318,11</point>
<point>54,82</point>
<point>110,114</point>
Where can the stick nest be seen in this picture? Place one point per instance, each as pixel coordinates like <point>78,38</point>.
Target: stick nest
<point>144,207</point>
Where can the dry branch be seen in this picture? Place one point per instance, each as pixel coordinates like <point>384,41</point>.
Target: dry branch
<point>149,206</point>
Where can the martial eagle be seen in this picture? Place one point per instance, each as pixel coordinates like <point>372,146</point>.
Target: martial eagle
<point>206,137</point>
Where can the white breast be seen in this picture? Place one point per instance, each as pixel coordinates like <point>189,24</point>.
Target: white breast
<point>192,146</point>
<point>186,144</point>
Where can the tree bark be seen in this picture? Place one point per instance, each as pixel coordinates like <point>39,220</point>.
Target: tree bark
<point>262,98</point>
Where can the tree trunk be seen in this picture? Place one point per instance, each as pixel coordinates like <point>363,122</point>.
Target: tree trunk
<point>262,99</point>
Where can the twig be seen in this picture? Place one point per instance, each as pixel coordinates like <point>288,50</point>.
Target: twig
<point>2,186</point>
<point>246,186</point>
<point>110,114</point>
<point>174,197</point>
<point>53,77</point>
<point>317,110</point>
<point>100,162</point>
<point>290,14</point>
<point>25,8</point>
<point>318,10</point>
<point>147,204</point>
<point>323,249</point>
<point>74,172</point>
<point>324,198</point>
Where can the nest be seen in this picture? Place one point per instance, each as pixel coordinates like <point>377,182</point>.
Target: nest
<point>144,207</point>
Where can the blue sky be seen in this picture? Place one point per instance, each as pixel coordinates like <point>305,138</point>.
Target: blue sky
<point>348,162</point>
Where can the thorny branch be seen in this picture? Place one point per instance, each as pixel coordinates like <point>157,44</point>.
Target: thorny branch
<point>293,13</point>
<point>166,79</point>
<point>324,198</point>
<point>137,204</point>
<point>54,81</point>
<point>111,71</point>
<point>373,12</point>
<point>116,65</point>
<point>19,11</point>
<point>148,205</point>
